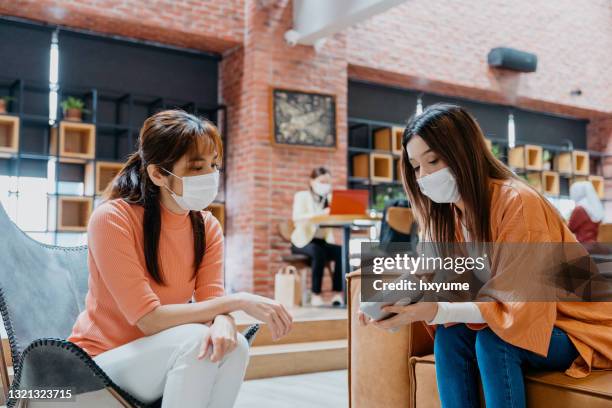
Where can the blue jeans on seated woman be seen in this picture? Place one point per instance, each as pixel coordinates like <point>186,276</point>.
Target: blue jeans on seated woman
<point>461,353</point>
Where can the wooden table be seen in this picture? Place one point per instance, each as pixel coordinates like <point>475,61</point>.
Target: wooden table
<point>345,222</point>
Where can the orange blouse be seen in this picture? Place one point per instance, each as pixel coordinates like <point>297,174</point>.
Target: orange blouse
<point>520,215</point>
<point>121,291</point>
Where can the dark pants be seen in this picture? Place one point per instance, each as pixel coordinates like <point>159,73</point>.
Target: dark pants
<point>461,353</point>
<point>320,253</point>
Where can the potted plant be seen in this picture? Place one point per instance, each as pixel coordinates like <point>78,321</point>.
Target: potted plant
<point>546,159</point>
<point>73,108</point>
<point>3,101</point>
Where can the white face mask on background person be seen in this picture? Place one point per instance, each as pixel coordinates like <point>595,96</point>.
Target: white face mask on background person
<point>440,186</point>
<point>198,191</point>
<point>321,189</point>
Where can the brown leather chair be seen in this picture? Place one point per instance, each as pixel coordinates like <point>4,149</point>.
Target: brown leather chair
<point>398,370</point>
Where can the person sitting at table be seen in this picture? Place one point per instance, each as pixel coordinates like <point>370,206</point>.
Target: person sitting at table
<point>317,243</point>
<point>588,213</point>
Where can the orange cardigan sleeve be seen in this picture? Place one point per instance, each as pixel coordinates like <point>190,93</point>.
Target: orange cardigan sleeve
<point>112,245</point>
<point>209,278</point>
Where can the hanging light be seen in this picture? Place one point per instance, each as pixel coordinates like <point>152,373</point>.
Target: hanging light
<point>419,106</point>
<point>53,78</point>
<point>511,131</point>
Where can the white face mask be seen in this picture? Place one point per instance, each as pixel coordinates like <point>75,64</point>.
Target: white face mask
<point>440,186</point>
<point>198,191</point>
<point>321,189</point>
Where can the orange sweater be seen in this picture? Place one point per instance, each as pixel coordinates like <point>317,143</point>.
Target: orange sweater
<point>121,291</point>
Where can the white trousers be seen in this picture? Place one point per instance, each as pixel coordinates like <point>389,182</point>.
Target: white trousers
<point>166,363</point>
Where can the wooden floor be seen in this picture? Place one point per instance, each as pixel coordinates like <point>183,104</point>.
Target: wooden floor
<point>322,390</point>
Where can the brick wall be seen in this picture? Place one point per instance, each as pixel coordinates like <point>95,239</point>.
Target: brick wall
<point>433,45</point>
<point>442,46</point>
<point>203,24</point>
<point>263,178</point>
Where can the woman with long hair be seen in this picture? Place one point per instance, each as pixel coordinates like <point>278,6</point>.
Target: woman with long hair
<point>156,316</point>
<point>461,193</point>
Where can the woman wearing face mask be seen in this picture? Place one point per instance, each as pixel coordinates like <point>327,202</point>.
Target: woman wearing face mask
<point>588,213</point>
<point>317,243</point>
<point>461,192</point>
<point>151,250</point>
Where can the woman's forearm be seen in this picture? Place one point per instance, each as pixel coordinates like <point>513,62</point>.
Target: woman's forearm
<point>166,316</point>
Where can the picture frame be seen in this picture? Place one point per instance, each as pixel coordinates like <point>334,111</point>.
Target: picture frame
<point>303,119</point>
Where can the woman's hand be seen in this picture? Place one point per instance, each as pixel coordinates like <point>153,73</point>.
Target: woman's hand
<point>220,339</point>
<point>268,311</point>
<point>422,311</point>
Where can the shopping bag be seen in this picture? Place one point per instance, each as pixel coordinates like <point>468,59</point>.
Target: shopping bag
<point>288,287</point>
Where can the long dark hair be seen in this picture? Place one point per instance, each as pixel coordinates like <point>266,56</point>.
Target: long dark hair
<point>454,135</point>
<point>164,138</point>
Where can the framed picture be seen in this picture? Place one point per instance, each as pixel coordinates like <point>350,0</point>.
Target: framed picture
<point>303,119</point>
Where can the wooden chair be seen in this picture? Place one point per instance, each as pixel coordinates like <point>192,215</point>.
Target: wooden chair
<point>300,261</point>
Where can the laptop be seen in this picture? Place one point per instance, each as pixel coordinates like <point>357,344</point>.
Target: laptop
<point>349,202</point>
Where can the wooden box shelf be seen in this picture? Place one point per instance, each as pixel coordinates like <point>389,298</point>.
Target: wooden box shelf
<point>378,167</point>
<point>218,211</point>
<point>574,162</point>
<point>535,180</point>
<point>389,139</point>
<point>73,213</point>
<point>76,140</point>
<point>550,183</point>
<point>105,173</point>
<point>9,134</point>
<point>528,157</point>
<point>598,184</point>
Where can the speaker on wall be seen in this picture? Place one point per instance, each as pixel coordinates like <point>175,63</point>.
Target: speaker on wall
<point>515,60</point>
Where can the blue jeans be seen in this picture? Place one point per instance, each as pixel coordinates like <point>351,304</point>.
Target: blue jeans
<point>461,352</point>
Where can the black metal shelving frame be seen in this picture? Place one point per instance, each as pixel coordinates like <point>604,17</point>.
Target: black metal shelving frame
<point>122,126</point>
<point>372,125</point>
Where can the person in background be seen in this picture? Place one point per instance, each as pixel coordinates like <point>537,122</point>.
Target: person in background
<point>152,250</point>
<point>588,213</point>
<point>317,243</point>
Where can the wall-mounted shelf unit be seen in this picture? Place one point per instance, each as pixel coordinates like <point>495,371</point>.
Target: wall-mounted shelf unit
<point>575,162</point>
<point>549,168</point>
<point>76,140</point>
<point>73,213</point>
<point>88,152</point>
<point>9,134</point>
<point>526,157</point>
<point>389,139</point>
<point>105,173</point>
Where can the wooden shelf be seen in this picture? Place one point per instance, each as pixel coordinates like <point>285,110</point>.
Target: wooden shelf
<point>381,167</point>
<point>218,211</point>
<point>378,167</point>
<point>73,213</point>
<point>76,140</point>
<point>574,162</point>
<point>389,139</point>
<point>550,183</point>
<point>598,184</point>
<point>105,173</point>
<point>9,134</point>
<point>535,180</point>
<point>528,157</point>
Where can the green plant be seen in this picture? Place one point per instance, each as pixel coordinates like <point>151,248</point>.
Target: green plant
<point>546,155</point>
<point>8,98</point>
<point>496,151</point>
<point>73,103</point>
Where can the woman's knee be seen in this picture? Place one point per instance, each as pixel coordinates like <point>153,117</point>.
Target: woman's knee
<point>446,339</point>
